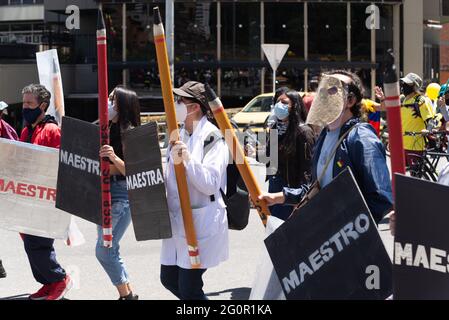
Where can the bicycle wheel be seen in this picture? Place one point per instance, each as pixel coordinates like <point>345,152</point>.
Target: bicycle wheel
<point>429,171</point>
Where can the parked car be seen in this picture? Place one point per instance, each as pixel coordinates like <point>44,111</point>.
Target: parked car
<point>256,113</point>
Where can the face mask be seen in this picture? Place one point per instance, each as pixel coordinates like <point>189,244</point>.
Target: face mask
<point>406,89</point>
<point>281,110</point>
<point>31,115</point>
<point>112,113</point>
<point>181,111</point>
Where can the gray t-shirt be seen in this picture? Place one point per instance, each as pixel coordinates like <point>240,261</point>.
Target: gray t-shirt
<point>328,146</point>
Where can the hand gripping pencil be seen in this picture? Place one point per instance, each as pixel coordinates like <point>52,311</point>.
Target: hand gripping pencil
<point>237,153</point>
<point>104,130</point>
<point>172,126</point>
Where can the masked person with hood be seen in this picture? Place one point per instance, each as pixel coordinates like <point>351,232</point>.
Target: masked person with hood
<point>294,146</point>
<point>124,114</point>
<point>43,130</point>
<point>6,131</point>
<point>337,108</point>
<point>416,114</point>
<point>205,169</point>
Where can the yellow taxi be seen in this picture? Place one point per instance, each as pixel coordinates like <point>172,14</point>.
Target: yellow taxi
<point>255,114</point>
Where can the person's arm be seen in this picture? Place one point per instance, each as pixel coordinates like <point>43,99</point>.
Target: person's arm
<point>118,165</point>
<point>370,169</point>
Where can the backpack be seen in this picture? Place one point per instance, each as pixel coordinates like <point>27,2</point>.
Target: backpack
<point>236,197</point>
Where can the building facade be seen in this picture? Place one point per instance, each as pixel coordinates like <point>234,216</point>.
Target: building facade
<point>218,42</point>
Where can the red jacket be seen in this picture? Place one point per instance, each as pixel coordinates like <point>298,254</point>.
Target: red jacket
<point>46,134</point>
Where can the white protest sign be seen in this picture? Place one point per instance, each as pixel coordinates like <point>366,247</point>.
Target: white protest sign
<point>50,77</point>
<point>28,190</point>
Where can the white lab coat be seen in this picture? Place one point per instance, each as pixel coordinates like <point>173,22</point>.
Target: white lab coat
<point>206,174</point>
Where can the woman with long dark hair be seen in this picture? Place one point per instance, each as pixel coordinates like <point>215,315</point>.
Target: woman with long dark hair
<point>124,114</point>
<point>295,143</point>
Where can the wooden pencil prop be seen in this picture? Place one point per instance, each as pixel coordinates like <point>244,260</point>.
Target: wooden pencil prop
<point>57,90</point>
<point>393,104</point>
<point>237,154</point>
<point>104,130</point>
<point>172,126</point>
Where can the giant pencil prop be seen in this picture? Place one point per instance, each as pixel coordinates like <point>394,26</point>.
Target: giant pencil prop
<point>57,91</point>
<point>237,153</point>
<point>393,105</point>
<point>104,130</point>
<point>172,126</point>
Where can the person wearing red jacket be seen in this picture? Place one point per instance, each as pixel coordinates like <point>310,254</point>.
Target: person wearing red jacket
<point>43,130</point>
<point>6,132</point>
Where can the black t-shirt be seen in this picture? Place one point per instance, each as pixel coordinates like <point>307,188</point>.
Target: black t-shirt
<point>115,139</point>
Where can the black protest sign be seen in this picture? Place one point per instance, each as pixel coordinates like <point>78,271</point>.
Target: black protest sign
<point>331,248</point>
<point>145,183</point>
<point>421,248</point>
<point>79,189</point>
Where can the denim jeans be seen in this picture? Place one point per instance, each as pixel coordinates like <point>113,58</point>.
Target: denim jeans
<point>110,258</point>
<point>185,284</point>
<point>42,257</point>
<point>277,184</point>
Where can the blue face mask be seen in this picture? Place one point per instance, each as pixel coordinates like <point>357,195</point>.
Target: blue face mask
<point>31,115</point>
<point>281,111</point>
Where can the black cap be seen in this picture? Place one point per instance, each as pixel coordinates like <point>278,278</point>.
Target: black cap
<point>193,90</point>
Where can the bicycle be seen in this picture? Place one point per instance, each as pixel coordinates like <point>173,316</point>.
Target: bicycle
<point>424,166</point>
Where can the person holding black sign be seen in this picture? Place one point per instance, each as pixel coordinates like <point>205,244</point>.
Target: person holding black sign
<point>344,142</point>
<point>124,114</point>
<point>43,130</point>
<point>206,175</point>
<point>295,143</point>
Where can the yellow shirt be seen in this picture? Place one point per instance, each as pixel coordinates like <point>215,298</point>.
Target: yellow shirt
<point>414,121</point>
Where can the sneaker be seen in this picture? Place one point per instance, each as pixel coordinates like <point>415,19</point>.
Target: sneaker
<point>2,270</point>
<point>59,289</point>
<point>42,294</point>
<point>130,296</point>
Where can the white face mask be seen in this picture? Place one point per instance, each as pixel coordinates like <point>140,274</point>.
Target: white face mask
<point>112,113</point>
<point>181,111</point>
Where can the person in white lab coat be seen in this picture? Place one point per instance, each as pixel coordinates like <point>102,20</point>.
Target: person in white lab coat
<point>206,175</point>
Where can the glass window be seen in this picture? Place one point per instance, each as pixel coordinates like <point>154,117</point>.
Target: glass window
<point>4,27</point>
<point>20,27</point>
<point>243,82</point>
<point>240,31</point>
<point>284,23</point>
<point>113,21</point>
<point>384,36</point>
<point>140,43</point>
<point>260,104</point>
<point>360,34</point>
<point>327,31</point>
<point>195,31</point>
<point>4,2</point>
<point>285,77</point>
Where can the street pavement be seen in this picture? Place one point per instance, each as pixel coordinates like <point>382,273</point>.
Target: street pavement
<point>232,279</point>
